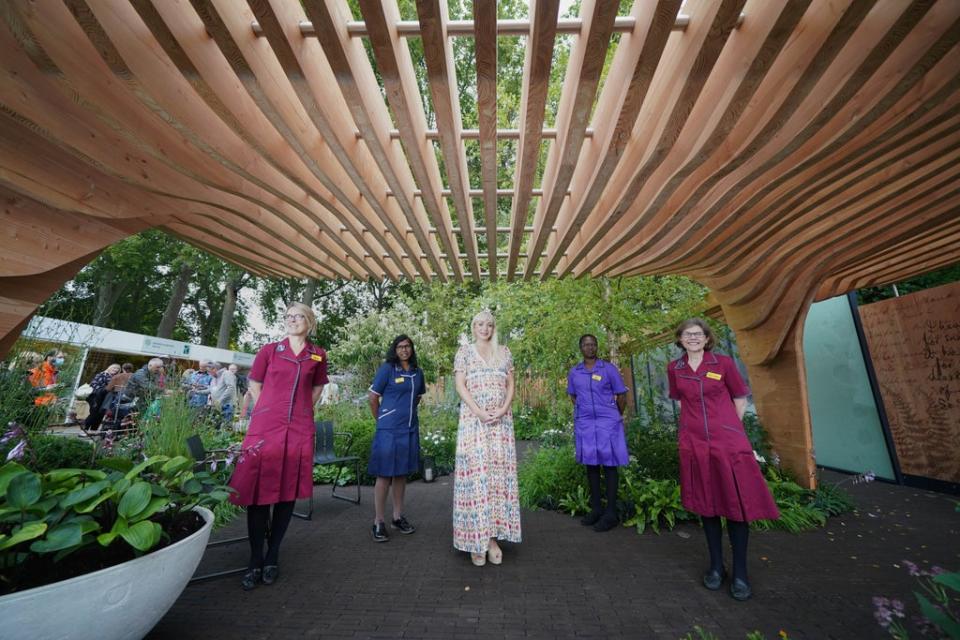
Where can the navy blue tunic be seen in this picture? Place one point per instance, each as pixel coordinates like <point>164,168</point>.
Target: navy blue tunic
<point>396,444</point>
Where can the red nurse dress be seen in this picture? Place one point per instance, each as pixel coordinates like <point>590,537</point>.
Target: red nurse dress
<point>277,465</point>
<point>719,475</point>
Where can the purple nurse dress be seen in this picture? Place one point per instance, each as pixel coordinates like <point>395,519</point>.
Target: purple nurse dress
<point>719,475</point>
<point>277,465</point>
<point>597,423</point>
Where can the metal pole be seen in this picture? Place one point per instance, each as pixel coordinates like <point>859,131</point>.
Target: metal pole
<point>76,382</point>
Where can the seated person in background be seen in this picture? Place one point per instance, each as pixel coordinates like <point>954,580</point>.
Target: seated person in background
<point>144,385</point>
<point>114,395</point>
<point>98,395</point>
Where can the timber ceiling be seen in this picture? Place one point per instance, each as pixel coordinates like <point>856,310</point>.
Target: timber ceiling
<point>778,151</point>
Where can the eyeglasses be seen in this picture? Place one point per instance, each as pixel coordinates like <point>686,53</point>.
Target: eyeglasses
<point>293,317</point>
<point>692,334</point>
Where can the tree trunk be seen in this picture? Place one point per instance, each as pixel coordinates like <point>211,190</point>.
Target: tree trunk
<point>229,307</point>
<point>309,292</point>
<point>175,304</point>
<point>107,295</point>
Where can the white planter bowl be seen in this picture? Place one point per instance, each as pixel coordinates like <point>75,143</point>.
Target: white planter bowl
<point>123,602</point>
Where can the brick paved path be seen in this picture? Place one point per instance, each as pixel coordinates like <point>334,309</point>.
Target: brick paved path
<point>565,581</point>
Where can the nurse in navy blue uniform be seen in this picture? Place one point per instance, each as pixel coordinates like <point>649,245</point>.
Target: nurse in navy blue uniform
<point>395,452</point>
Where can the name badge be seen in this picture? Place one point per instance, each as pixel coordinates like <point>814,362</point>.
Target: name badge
<point>316,358</point>
<point>596,377</point>
<point>714,376</point>
<point>398,380</point>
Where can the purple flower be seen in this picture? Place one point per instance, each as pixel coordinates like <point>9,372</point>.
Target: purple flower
<point>912,568</point>
<point>18,451</point>
<point>897,608</point>
<point>936,570</point>
<point>213,466</point>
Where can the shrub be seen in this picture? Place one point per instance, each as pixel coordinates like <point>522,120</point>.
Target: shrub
<point>54,452</point>
<point>548,476</point>
<point>655,451</point>
<point>649,501</point>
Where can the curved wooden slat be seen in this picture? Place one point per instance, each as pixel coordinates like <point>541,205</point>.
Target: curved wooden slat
<point>396,70</point>
<point>536,74</point>
<point>441,74</point>
<point>485,37</point>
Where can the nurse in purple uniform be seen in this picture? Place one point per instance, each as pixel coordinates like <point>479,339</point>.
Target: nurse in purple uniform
<point>599,398</point>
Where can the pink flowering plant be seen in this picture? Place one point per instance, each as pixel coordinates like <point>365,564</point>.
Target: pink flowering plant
<point>939,601</point>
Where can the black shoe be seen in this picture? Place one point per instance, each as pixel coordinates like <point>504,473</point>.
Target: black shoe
<point>712,579</point>
<point>270,574</point>
<point>591,518</point>
<point>379,532</point>
<point>740,590</point>
<point>403,526</point>
<point>251,579</point>
<point>607,522</point>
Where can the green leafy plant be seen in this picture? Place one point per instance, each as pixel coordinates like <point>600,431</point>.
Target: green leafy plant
<point>52,524</point>
<point>651,503</point>
<point>939,601</point>
<point>575,502</point>
<point>549,475</point>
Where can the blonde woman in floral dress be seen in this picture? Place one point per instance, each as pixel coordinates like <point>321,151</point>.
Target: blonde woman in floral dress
<point>486,506</point>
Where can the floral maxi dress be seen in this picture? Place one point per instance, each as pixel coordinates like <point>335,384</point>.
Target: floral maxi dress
<point>486,503</point>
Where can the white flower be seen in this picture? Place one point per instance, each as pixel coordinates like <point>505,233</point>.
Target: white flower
<point>759,458</point>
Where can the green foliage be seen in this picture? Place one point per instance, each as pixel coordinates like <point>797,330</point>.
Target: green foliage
<point>530,422</point>
<point>655,451</point>
<point>50,452</point>
<point>802,509</point>
<point>650,502</point>
<point>357,421</point>
<point>926,281</point>
<point>548,476</point>
<point>575,502</point>
<point>939,602</point>
<point>63,511</point>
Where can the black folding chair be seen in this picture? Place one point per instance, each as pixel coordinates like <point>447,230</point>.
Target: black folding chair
<point>195,446</point>
<point>324,453</point>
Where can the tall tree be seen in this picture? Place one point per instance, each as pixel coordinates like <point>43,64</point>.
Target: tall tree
<point>236,280</point>
<point>184,266</point>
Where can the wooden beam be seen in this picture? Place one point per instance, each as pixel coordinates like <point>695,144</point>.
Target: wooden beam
<point>441,75</point>
<point>485,36</point>
<point>687,74</point>
<point>631,74</point>
<point>403,94</point>
<point>580,84</point>
<point>349,63</point>
<point>536,75</point>
<point>311,79</point>
<point>803,120</point>
<point>467,28</point>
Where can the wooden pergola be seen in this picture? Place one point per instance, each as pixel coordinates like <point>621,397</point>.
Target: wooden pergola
<point>778,151</point>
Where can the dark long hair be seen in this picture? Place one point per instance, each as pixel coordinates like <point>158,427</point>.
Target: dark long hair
<point>392,357</point>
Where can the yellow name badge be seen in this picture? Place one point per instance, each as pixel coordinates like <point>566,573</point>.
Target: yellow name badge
<point>398,380</point>
<point>316,357</point>
<point>596,377</point>
<point>714,376</point>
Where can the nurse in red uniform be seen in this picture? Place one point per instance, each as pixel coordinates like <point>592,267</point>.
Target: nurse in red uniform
<point>719,476</point>
<point>286,380</point>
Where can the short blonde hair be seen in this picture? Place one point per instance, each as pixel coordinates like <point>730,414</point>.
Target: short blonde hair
<point>494,342</point>
<point>307,313</point>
